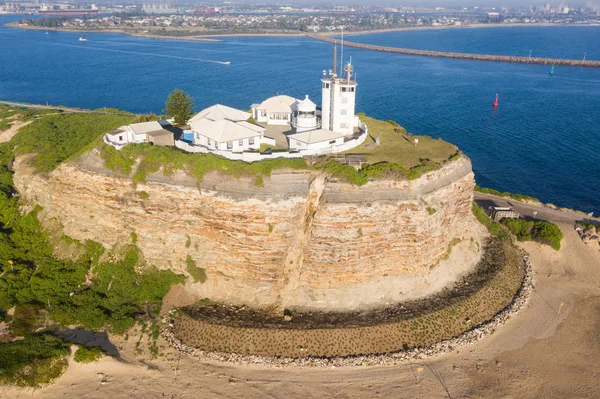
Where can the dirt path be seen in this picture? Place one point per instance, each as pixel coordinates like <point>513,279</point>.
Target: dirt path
<point>6,135</point>
<point>549,350</point>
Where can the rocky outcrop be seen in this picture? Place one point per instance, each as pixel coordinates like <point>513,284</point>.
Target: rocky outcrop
<point>303,240</point>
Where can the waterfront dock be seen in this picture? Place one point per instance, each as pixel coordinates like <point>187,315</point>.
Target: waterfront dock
<point>464,56</point>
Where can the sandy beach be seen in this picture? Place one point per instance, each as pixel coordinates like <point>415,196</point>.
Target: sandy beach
<point>547,350</point>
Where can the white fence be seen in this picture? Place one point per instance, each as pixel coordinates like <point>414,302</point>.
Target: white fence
<point>256,156</point>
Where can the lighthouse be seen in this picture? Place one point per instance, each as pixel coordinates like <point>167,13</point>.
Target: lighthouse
<point>338,99</point>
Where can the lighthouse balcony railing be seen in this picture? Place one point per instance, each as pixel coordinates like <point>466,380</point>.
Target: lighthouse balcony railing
<point>305,122</point>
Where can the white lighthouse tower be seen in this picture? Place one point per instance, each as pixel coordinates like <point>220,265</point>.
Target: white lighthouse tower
<point>339,99</point>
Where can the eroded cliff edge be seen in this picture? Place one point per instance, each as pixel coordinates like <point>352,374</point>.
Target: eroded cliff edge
<point>304,240</point>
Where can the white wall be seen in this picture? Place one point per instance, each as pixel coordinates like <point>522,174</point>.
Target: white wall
<point>325,102</point>
<point>343,102</point>
<point>320,149</point>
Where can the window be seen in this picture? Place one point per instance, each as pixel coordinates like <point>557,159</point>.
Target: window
<point>343,125</point>
<point>347,89</point>
<point>263,112</point>
<point>344,100</point>
<point>280,116</point>
<point>208,141</point>
<point>120,138</point>
<point>197,136</point>
<point>240,142</point>
<point>326,85</point>
<point>332,142</point>
<point>344,112</point>
<point>229,145</point>
<point>251,141</point>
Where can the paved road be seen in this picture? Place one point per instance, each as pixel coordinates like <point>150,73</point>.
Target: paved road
<point>527,209</point>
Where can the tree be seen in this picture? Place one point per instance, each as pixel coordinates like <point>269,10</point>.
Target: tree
<point>179,106</point>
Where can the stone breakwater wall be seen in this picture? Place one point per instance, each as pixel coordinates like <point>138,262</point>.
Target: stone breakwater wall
<point>469,337</point>
<point>464,56</point>
<point>304,240</point>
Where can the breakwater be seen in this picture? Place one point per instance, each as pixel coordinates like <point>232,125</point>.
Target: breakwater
<point>464,56</point>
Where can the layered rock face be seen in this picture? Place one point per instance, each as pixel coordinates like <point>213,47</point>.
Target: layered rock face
<point>304,240</point>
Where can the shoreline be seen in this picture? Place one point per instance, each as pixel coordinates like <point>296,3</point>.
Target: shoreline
<point>206,37</point>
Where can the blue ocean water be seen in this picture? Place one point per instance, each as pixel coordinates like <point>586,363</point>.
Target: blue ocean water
<point>543,140</point>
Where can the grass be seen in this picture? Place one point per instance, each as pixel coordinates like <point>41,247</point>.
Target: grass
<point>397,158</point>
<point>197,273</point>
<point>516,197</point>
<point>264,146</point>
<point>57,138</point>
<point>398,147</point>
<point>167,160</point>
<point>10,115</point>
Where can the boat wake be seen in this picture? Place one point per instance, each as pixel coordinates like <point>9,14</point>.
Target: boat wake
<point>176,57</point>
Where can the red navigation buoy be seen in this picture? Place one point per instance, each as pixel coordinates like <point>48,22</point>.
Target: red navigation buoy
<point>496,103</point>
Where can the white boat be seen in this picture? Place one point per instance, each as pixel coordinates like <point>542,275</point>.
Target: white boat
<point>82,39</point>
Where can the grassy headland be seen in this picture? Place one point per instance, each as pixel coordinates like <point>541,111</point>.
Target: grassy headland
<point>96,290</point>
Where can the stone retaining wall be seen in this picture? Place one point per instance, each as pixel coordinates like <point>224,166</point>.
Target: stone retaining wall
<point>496,295</point>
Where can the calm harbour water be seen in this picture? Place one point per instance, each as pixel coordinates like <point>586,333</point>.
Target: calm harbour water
<point>543,140</point>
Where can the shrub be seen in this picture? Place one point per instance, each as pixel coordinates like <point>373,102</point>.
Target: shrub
<point>144,195</point>
<point>540,231</point>
<point>34,361</point>
<point>197,273</point>
<point>520,228</point>
<point>87,355</point>
<point>547,233</point>
<point>26,319</point>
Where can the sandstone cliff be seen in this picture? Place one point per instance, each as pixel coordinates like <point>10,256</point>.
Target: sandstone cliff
<point>302,240</point>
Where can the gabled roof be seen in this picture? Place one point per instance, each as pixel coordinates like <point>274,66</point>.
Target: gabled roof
<point>218,112</point>
<point>316,136</point>
<point>225,130</point>
<point>278,104</point>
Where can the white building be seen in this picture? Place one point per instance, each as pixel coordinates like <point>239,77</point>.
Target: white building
<point>276,110</point>
<point>305,117</point>
<point>339,101</point>
<point>135,133</point>
<point>224,128</point>
<point>228,132</point>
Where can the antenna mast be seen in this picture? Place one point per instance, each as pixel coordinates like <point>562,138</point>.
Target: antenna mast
<point>334,59</point>
<point>342,56</point>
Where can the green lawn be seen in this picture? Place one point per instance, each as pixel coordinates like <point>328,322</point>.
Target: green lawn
<point>398,147</point>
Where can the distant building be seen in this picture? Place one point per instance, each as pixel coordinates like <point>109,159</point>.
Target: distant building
<point>499,212</point>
